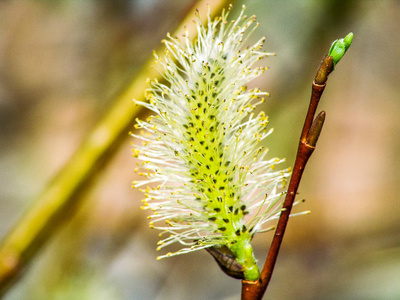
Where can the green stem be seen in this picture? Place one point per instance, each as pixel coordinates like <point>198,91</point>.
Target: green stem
<point>245,256</point>
<point>62,196</point>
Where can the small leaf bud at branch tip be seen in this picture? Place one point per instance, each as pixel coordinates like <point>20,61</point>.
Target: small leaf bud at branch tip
<point>339,48</point>
<point>347,40</point>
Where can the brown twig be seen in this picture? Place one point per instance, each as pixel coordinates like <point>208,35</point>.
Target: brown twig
<point>252,290</point>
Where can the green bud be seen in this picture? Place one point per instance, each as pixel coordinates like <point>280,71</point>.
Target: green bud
<point>339,48</point>
<point>347,40</point>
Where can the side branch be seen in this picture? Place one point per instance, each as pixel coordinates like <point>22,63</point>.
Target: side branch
<point>252,290</point>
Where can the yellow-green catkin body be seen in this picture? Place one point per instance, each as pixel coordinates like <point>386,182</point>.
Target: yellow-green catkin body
<point>202,157</point>
<point>214,173</point>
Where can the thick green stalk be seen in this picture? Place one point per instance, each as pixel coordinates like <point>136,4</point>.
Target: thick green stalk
<point>61,196</point>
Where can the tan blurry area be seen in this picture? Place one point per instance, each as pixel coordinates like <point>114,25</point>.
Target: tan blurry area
<point>61,63</point>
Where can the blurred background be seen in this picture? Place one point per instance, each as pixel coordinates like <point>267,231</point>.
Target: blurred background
<point>63,62</point>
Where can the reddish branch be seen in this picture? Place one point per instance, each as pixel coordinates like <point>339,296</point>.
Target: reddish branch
<point>252,290</point>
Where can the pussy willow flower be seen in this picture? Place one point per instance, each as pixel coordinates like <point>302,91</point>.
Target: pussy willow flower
<point>206,177</point>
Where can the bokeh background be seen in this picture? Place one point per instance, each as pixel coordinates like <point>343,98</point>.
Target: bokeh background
<point>63,62</point>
